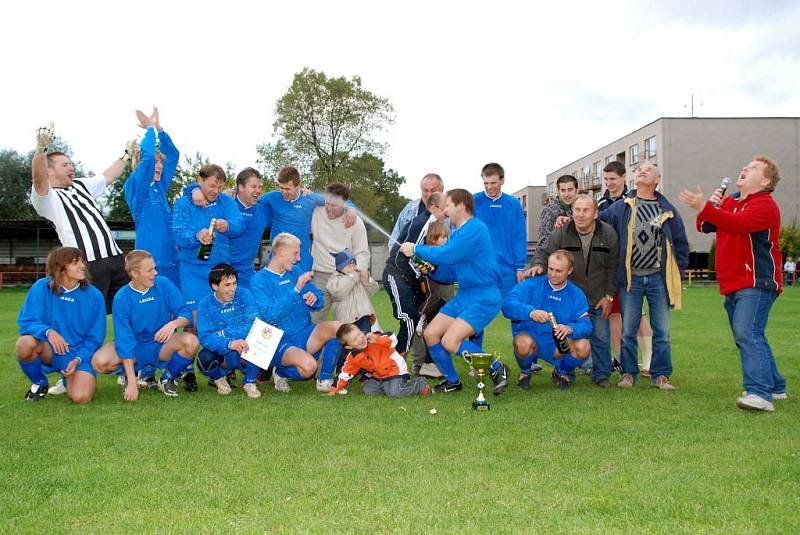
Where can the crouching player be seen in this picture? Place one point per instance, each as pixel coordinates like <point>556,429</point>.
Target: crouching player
<point>285,300</point>
<point>61,325</point>
<point>146,314</point>
<point>529,306</point>
<point>376,355</point>
<point>223,321</point>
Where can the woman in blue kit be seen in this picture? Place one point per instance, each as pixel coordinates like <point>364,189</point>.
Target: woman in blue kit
<point>61,325</point>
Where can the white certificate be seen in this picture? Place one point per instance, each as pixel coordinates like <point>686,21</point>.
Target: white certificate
<point>263,340</point>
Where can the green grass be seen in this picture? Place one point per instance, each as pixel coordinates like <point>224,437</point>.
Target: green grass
<point>619,461</point>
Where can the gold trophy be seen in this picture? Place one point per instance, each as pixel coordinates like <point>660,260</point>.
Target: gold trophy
<point>480,362</point>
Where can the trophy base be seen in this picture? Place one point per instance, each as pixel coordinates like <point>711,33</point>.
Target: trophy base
<point>480,405</point>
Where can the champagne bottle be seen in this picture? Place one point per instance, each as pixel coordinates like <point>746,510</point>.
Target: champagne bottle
<point>424,264</point>
<point>561,343</point>
<point>204,253</point>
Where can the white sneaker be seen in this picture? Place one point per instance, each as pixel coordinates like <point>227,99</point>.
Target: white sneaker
<point>121,380</point>
<point>782,395</point>
<point>324,385</point>
<point>251,390</point>
<point>430,370</point>
<point>754,403</point>
<point>58,388</point>
<point>223,388</point>
<point>281,383</point>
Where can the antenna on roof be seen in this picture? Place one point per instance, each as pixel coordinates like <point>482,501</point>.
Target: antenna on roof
<point>692,105</point>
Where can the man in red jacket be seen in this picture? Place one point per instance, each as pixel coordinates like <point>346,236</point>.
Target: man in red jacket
<point>748,262</point>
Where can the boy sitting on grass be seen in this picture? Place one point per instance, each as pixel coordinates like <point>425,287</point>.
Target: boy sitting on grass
<point>385,368</point>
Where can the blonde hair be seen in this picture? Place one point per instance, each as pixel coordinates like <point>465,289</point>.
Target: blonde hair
<point>563,253</point>
<point>436,231</point>
<point>134,259</point>
<point>284,239</point>
<point>771,172</point>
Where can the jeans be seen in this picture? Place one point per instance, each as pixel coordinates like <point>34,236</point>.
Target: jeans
<point>601,345</point>
<point>654,289</point>
<point>748,311</point>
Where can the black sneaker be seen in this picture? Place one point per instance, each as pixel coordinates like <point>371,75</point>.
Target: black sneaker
<point>536,368</point>
<point>616,366</point>
<point>603,383</point>
<point>168,387</point>
<point>148,382</point>
<point>36,393</point>
<point>231,377</point>
<point>525,381</point>
<point>561,381</point>
<point>500,379</point>
<point>189,382</point>
<point>445,387</point>
<point>264,376</point>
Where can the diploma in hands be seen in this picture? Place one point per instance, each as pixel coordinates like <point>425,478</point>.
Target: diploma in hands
<point>263,340</point>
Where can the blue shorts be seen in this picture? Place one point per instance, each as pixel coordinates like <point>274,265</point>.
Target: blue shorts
<point>478,308</point>
<point>146,355</point>
<point>298,340</point>
<point>194,282</point>
<point>545,345</point>
<point>60,362</point>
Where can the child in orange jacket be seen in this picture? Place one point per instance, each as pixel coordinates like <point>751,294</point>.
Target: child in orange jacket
<point>386,369</point>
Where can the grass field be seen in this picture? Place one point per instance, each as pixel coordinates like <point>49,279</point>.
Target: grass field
<point>595,460</point>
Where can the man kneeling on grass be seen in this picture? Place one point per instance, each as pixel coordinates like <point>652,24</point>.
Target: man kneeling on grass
<point>61,325</point>
<point>529,307</point>
<point>146,314</point>
<point>376,355</point>
<point>224,319</point>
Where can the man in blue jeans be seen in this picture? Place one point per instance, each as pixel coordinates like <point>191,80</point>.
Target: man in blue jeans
<point>748,259</point>
<point>654,253</point>
<point>594,245</point>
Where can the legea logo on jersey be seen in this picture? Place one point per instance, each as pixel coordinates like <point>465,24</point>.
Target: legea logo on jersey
<point>298,206</point>
<point>65,298</point>
<point>229,309</point>
<point>554,298</point>
<point>146,300</point>
<point>495,206</point>
<point>284,282</point>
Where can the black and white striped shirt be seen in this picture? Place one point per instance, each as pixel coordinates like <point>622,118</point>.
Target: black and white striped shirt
<point>78,221</point>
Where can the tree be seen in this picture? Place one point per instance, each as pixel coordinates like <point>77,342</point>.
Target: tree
<point>322,121</point>
<point>790,241</point>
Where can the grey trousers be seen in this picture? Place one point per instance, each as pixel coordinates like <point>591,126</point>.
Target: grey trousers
<point>396,387</point>
<point>320,280</point>
<point>418,348</point>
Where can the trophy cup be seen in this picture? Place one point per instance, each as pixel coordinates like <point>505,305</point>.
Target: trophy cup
<point>480,362</point>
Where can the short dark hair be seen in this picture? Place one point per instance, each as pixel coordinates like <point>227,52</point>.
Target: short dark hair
<point>220,272</point>
<point>563,179</point>
<point>212,169</point>
<point>345,329</point>
<point>462,196</point>
<point>493,169</point>
<point>52,155</point>
<point>289,173</point>
<point>245,174</point>
<point>618,168</point>
<point>338,189</point>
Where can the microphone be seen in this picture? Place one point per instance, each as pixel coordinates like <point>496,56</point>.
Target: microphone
<point>723,188</point>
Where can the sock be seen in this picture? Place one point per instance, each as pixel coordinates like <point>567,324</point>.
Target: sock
<point>444,362</point>
<point>189,368</point>
<point>209,364</point>
<point>250,373</point>
<point>469,346</point>
<point>176,365</point>
<point>477,339</point>
<point>330,355</point>
<point>646,346</point>
<point>525,363</point>
<point>33,369</point>
<point>567,365</point>
<point>289,372</point>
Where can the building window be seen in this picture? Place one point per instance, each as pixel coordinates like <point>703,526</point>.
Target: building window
<point>650,147</point>
<point>634,153</point>
<point>525,206</point>
<point>551,190</point>
<point>609,159</point>
<point>598,172</point>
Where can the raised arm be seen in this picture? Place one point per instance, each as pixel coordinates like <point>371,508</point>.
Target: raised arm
<point>44,137</point>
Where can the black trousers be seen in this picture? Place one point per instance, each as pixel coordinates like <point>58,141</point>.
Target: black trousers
<point>108,276</point>
<point>405,295</point>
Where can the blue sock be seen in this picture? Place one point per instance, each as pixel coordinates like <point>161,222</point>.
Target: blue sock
<point>568,364</point>
<point>444,362</point>
<point>33,369</point>
<point>250,372</point>
<point>470,347</point>
<point>477,339</point>
<point>330,356</point>
<point>289,372</point>
<point>176,365</point>
<point>525,363</point>
<point>209,364</point>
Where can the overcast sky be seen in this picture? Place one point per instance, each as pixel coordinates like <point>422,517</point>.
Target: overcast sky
<point>531,86</point>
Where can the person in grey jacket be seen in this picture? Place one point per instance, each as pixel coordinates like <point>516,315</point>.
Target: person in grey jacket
<point>595,246</point>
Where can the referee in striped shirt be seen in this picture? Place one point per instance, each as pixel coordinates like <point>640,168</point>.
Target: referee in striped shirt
<point>70,205</point>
